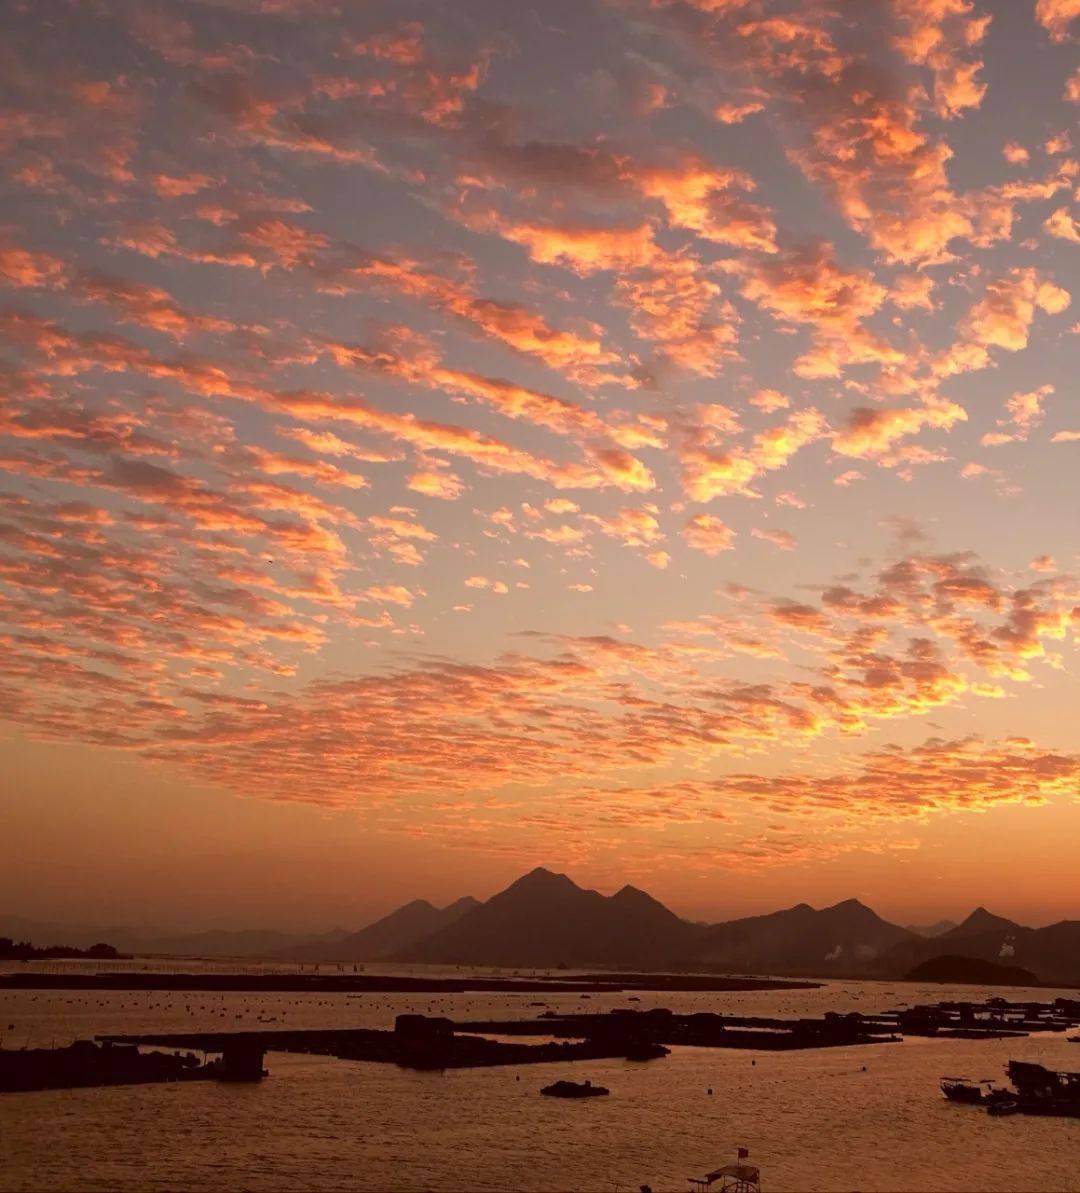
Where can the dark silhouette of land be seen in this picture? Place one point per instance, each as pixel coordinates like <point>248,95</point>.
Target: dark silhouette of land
<point>544,920</point>
<point>85,1063</point>
<point>12,950</point>
<point>971,971</point>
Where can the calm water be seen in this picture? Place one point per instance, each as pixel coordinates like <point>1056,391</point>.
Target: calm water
<point>812,1120</point>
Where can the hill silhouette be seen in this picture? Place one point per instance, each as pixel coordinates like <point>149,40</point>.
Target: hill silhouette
<point>399,930</point>
<point>847,938</point>
<point>546,919</point>
<point>1052,953</point>
<point>971,971</point>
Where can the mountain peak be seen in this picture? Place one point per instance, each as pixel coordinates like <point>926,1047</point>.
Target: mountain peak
<point>541,879</point>
<point>982,920</point>
<point>851,908</point>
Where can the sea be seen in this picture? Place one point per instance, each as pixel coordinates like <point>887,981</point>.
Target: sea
<point>867,1118</point>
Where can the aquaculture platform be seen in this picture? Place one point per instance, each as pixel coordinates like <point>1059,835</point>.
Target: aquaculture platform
<point>85,1063</point>
<point>417,1042</point>
<point>702,1030</point>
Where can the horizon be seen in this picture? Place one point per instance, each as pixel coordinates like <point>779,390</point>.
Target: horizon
<point>929,920</point>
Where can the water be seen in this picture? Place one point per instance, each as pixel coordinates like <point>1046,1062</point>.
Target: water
<point>812,1120</point>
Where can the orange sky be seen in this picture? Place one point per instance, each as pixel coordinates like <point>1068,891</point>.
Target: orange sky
<point>631,437</point>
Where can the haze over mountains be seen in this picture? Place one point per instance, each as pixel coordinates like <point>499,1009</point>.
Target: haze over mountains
<point>247,942</point>
<point>546,920</point>
<point>401,929</point>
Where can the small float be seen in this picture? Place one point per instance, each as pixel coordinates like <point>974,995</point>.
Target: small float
<point>574,1089</point>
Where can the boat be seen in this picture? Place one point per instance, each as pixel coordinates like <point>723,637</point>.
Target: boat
<point>574,1089</point>
<point>1045,1091</point>
<point>963,1089</point>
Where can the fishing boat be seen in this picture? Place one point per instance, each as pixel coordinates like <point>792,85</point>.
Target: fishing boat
<point>1040,1090</point>
<point>963,1089</point>
<point>978,1093</point>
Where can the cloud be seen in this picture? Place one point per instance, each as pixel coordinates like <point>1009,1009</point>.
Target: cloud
<point>783,539</point>
<point>1056,16</point>
<point>1003,318</point>
<point>944,35</point>
<point>705,533</point>
<point>1061,224</point>
<point>940,777</point>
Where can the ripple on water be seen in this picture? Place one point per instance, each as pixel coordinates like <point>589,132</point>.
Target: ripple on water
<point>813,1120</point>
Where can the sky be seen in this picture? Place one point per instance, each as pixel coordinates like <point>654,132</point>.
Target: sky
<point>637,437</point>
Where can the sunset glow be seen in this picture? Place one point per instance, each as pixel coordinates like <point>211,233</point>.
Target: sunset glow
<point>636,437</point>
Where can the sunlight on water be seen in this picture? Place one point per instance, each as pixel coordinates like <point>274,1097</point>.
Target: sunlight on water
<point>813,1120</point>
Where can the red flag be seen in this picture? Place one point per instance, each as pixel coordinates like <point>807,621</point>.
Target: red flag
<point>743,1153</point>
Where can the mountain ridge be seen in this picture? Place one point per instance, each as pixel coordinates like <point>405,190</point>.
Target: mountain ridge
<point>544,919</point>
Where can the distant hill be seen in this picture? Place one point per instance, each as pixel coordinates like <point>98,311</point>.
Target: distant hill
<point>393,934</point>
<point>846,938</point>
<point>930,931</point>
<point>546,919</point>
<point>244,942</point>
<point>972,972</point>
<point>1052,953</point>
<point>23,950</point>
<point>252,942</point>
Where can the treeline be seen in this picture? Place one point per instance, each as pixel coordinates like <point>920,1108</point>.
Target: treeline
<point>23,950</point>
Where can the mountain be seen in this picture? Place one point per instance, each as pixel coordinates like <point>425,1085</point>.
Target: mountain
<point>845,938</point>
<point>983,936</point>
<point>394,933</point>
<point>546,919</point>
<point>969,971</point>
<point>980,922</point>
<point>1052,953</point>
<point>929,931</point>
